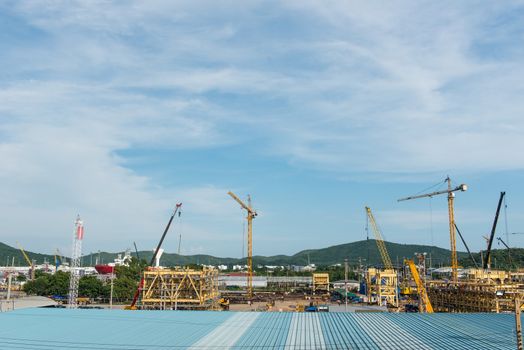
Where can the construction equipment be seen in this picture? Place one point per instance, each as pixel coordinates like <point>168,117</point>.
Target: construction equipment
<point>386,260</point>
<point>424,303</point>
<point>451,195</point>
<point>381,282</point>
<point>153,258</point>
<point>487,262</point>
<point>30,263</point>
<point>251,214</point>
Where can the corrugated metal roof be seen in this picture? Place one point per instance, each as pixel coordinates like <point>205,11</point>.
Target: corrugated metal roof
<point>138,330</point>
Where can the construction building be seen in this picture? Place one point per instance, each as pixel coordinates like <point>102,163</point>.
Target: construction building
<point>172,289</point>
<point>320,283</point>
<point>382,286</point>
<point>481,291</point>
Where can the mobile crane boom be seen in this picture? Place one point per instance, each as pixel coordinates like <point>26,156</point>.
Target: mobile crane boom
<point>141,284</point>
<point>421,288</point>
<point>486,264</point>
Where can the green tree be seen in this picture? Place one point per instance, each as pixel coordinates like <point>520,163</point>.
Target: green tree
<point>133,271</point>
<point>124,288</point>
<point>21,278</point>
<point>92,287</point>
<point>58,284</point>
<point>37,286</point>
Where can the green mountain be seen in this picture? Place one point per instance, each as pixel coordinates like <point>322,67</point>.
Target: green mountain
<point>364,251</point>
<point>7,253</point>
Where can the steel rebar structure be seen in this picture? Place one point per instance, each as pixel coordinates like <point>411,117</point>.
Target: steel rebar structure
<point>75,263</point>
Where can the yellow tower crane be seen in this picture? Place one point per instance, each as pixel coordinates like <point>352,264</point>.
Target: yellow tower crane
<point>386,260</point>
<point>425,304</point>
<point>29,262</point>
<point>451,196</point>
<point>251,214</point>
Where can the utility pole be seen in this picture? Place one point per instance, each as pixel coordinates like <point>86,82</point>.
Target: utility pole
<point>518,305</point>
<point>346,281</point>
<point>111,294</point>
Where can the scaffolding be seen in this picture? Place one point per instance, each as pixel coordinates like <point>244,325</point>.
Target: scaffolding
<point>474,296</point>
<point>174,289</point>
<point>382,286</point>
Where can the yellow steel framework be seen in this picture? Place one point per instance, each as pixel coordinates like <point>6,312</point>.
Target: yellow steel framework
<point>320,283</point>
<point>180,288</point>
<point>424,302</point>
<point>382,285</point>
<point>386,260</point>
<point>474,296</point>
<point>451,214</point>
<point>251,214</point>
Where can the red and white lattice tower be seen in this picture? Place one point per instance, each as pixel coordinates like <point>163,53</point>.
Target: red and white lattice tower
<point>75,263</point>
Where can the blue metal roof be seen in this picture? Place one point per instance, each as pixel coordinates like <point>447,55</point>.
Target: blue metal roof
<point>138,330</point>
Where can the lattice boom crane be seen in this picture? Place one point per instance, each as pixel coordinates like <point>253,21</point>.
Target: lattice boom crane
<point>386,260</point>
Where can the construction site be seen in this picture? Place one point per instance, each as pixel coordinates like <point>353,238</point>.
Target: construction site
<point>384,288</point>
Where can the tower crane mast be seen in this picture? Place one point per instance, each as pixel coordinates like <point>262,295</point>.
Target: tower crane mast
<point>386,260</point>
<point>251,214</point>
<point>451,214</point>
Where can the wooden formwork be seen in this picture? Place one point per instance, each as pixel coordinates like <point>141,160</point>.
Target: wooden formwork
<point>474,296</point>
<point>180,289</point>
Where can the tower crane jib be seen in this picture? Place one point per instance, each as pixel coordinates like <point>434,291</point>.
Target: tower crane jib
<point>451,213</point>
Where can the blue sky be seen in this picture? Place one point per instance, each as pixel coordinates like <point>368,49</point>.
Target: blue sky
<point>118,110</point>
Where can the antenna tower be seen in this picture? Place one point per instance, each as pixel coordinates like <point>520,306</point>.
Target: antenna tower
<point>75,263</point>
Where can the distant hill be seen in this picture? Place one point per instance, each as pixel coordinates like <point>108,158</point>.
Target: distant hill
<point>7,253</point>
<point>364,250</point>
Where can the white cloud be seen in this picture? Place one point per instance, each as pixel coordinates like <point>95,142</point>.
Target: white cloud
<point>355,89</point>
